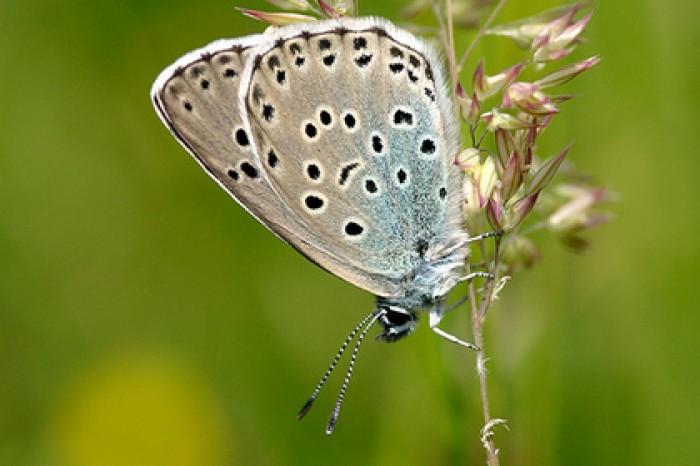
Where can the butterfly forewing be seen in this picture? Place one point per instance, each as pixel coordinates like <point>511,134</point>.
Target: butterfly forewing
<point>353,118</point>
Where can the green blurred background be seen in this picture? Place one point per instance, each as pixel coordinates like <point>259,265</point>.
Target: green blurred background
<point>146,319</point>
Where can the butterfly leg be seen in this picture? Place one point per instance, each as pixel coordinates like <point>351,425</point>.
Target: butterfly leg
<point>467,240</point>
<point>454,306</point>
<point>484,236</point>
<point>434,320</point>
<point>474,275</point>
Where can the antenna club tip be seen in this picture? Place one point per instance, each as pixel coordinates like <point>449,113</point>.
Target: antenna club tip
<point>331,424</point>
<point>305,409</point>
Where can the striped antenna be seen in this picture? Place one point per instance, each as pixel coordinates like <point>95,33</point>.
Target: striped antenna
<point>309,403</point>
<point>341,395</point>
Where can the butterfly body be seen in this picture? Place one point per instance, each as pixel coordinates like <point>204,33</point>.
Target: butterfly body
<point>339,136</point>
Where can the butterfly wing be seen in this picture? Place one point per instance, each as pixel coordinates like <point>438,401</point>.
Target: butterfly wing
<point>198,100</point>
<point>356,116</point>
<point>336,135</point>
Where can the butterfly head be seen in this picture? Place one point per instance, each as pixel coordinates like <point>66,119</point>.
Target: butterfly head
<point>396,321</point>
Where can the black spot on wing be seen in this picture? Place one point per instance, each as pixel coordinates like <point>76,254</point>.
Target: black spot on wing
<point>345,172</point>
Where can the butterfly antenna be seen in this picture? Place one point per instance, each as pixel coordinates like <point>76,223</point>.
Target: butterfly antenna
<point>336,411</point>
<point>307,406</point>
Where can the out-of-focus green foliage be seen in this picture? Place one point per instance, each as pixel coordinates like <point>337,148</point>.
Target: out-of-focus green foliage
<point>146,319</point>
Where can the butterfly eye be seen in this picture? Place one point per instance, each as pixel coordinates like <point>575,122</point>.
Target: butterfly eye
<point>397,322</point>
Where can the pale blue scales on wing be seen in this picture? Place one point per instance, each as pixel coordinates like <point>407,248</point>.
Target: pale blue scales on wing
<point>339,136</point>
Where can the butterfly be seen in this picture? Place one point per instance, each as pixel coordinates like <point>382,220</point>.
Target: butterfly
<point>339,136</point>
